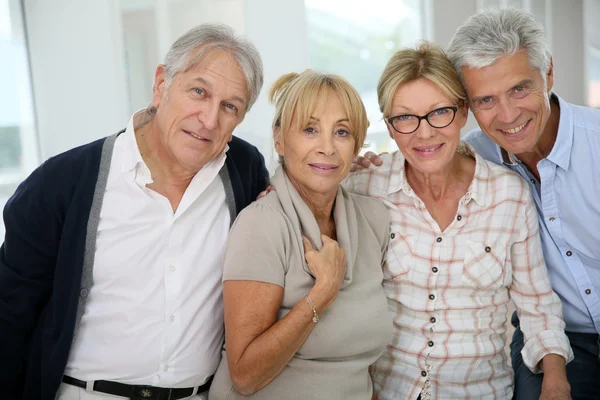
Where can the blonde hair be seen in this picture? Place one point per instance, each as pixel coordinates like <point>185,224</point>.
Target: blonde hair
<point>296,95</point>
<point>427,61</point>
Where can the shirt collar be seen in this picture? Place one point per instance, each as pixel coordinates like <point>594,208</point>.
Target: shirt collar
<point>477,189</point>
<point>561,151</point>
<point>131,156</point>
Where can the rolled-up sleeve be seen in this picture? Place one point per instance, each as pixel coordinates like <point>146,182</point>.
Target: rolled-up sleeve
<point>538,307</point>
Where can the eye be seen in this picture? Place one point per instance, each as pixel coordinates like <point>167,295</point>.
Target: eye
<point>342,133</point>
<point>441,111</point>
<point>231,107</point>
<point>403,117</point>
<point>519,89</point>
<point>310,130</point>
<point>485,100</point>
<point>199,91</point>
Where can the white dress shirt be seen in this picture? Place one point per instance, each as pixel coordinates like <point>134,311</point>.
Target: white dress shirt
<point>154,315</point>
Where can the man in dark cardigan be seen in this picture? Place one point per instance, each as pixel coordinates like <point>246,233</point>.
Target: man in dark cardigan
<point>110,279</point>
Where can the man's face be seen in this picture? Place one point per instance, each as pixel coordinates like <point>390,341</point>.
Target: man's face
<point>197,113</point>
<point>510,101</point>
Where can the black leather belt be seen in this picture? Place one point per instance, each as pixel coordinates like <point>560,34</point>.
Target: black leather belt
<point>137,392</point>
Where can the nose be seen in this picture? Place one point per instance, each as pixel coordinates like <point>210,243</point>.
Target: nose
<point>425,131</point>
<point>507,112</point>
<point>209,115</point>
<point>326,144</point>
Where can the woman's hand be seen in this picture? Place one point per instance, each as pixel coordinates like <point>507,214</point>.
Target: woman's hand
<point>328,266</point>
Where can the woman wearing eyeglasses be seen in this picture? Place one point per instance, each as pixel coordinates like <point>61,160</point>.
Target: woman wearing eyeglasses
<point>464,242</point>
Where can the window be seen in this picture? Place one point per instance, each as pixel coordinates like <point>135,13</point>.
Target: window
<point>355,39</point>
<point>592,10</point>
<point>18,141</point>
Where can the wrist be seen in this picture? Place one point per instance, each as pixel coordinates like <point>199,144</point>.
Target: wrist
<point>321,297</point>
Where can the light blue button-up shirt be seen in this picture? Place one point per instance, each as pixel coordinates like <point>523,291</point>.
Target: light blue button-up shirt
<point>567,197</point>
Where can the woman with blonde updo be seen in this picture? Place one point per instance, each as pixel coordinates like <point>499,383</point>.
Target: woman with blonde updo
<point>305,312</point>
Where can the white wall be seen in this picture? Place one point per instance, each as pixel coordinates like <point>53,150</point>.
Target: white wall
<point>77,70</point>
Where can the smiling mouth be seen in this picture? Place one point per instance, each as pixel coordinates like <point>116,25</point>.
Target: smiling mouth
<point>430,149</point>
<point>323,167</point>
<point>196,136</point>
<point>514,130</point>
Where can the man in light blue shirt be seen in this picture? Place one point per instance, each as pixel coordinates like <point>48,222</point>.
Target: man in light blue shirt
<point>502,59</point>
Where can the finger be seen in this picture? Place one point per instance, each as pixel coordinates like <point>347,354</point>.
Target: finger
<point>261,195</point>
<point>307,244</point>
<point>269,188</point>
<point>377,160</point>
<point>326,239</point>
<point>364,162</point>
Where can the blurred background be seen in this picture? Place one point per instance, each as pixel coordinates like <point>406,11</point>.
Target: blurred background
<point>72,71</point>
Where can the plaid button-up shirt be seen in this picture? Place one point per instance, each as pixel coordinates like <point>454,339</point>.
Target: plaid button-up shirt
<point>449,290</point>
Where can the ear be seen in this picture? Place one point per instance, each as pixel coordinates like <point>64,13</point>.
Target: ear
<point>279,147</point>
<point>158,90</point>
<point>550,76</point>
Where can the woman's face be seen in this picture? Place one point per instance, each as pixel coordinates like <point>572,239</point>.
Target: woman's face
<point>318,156</point>
<point>428,149</point>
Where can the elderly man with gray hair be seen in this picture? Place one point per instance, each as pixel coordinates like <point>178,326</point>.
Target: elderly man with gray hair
<point>110,272</point>
<point>503,61</point>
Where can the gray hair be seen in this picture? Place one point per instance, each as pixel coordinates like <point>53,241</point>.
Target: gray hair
<point>493,33</point>
<point>191,47</point>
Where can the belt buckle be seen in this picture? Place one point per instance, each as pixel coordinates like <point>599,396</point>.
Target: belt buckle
<point>143,392</point>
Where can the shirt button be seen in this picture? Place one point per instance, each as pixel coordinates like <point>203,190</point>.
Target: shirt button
<point>172,268</point>
<point>438,239</point>
<point>430,343</point>
<point>423,373</point>
<point>432,320</point>
<point>83,293</point>
<point>488,249</point>
<point>434,269</point>
<point>459,218</point>
<point>569,253</point>
<point>166,368</point>
<point>552,219</point>
<point>532,180</point>
<point>431,297</point>
<point>393,235</point>
<point>172,318</point>
<point>588,291</point>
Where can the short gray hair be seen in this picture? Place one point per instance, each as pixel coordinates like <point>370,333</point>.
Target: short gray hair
<point>493,33</point>
<point>191,47</point>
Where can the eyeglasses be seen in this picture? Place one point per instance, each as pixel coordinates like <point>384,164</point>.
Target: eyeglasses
<point>408,123</point>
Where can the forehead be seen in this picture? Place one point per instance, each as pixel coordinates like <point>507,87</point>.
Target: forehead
<point>221,71</point>
<point>499,76</point>
<point>419,96</point>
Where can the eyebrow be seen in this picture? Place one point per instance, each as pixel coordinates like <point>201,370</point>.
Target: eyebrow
<point>433,107</point>
<point>524,82</point>
<point>209,85</point>
<point>339,120</point>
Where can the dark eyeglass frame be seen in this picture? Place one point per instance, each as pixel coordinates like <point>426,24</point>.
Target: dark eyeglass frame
<point>423,117</point>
